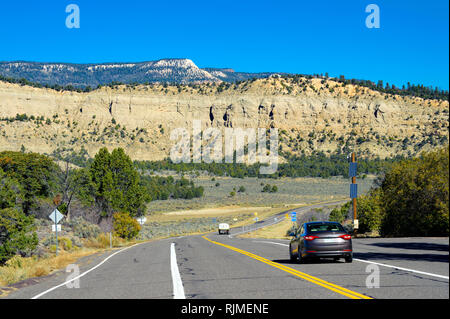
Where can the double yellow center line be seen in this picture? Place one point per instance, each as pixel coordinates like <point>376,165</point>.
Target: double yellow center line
<point>340,290</point>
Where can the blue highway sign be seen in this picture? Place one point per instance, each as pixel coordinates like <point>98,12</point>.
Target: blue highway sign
<point>353,190</point>
<point>352,169</point>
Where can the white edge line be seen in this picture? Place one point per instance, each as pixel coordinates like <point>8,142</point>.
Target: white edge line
<point>178,290</point>
<point>86,272</point>
<point>401,268</point>
<point>371,262</point>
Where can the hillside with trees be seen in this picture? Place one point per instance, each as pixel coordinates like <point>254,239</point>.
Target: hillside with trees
<point>316,165</point>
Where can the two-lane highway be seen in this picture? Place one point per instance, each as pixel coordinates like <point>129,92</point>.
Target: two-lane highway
<point>408,268</point>
<point>229,267</point>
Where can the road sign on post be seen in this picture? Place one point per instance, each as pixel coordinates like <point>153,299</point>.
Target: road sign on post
<point>141,220</point>
<point>352,169</point>
<point>293,217</point>
<point>353,190</point>
<point>56,217</point>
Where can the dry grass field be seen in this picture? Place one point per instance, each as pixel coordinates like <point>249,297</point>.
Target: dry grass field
<point>291,192</point>
<point>176,217</point>
<point>277,231</point>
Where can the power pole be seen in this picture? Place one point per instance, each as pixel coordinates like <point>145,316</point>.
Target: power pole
<point>353,192</point>
<point>354,198</point>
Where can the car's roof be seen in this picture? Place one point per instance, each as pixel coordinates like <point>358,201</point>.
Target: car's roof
<point>321,222</point>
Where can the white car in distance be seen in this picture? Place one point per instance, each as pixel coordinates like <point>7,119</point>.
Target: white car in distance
<point>224,228</point>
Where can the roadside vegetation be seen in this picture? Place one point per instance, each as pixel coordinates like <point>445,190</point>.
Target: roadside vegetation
<point>317,165</point>
<point>105,195</point>
<point>411,199</point>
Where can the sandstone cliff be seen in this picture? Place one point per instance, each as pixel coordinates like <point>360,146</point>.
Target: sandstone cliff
<point>310,114</point>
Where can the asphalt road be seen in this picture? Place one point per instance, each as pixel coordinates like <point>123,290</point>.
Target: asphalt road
<point>228,267</point>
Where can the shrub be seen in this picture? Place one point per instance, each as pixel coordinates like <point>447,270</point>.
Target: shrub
<point>65,243</point>
<point>83,228</point>
<point>125,226</point>
<point>370,213</point>
<point>269,189</point>
<point>103,241</point>
<point>339,214</point>
<point>415,196</point>
<point>15,234</point>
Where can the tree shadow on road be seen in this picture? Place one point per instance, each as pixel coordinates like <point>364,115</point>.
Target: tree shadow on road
<point>414,246</point>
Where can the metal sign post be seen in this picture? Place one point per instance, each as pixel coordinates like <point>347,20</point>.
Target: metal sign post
<point>56,217</point>
<point>56,235</point>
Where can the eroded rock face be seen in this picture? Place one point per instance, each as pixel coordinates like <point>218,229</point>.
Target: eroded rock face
<point>140,119</point>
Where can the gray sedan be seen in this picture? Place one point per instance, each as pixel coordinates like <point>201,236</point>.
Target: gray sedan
<point>321,239</point>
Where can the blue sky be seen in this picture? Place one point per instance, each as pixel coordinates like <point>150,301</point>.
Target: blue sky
<point>412,43</point>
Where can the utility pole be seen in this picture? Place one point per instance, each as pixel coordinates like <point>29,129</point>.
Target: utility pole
<point>353,191</point>
<point>354,199</point>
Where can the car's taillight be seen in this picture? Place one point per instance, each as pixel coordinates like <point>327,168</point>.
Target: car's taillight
<point>346,237</point>
<point>310,237</point>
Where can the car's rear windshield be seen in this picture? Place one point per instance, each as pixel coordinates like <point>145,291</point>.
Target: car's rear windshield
<point>324,227</point>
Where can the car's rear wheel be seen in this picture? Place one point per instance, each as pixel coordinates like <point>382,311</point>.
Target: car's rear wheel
<point>348,259</point>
